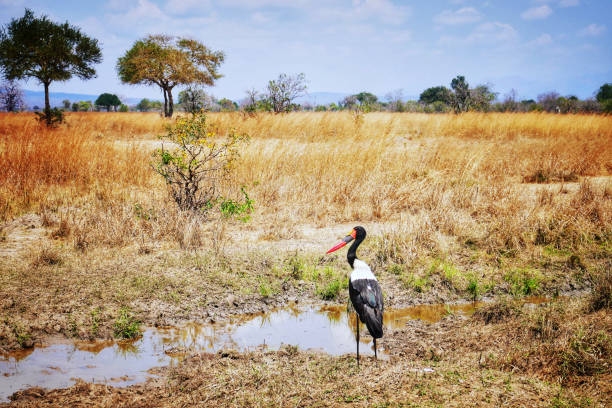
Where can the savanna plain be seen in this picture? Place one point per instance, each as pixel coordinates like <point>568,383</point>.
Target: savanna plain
<point>495,207</point>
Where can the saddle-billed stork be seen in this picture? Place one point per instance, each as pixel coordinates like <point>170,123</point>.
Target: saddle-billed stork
<point>364,290</point>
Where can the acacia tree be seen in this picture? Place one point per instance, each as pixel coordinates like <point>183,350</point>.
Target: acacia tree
<point>194,100</point>
<point>284,90</point>
<point>107,100</point>
<point>481,98</point>
<point>11,97</point>
<point>461,97</point>
<point>167,61</point>
<point>38,48</point>
<point>435,94</point>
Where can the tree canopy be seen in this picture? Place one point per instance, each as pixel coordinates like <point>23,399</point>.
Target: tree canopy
<point>107,100</point>
<point>604,93</point>
<point>461,96</point>
<point>366,98</point>
<point>435,94</point>
<point>194,100</point>
<point>168,61</point>
<point>32,47</point>
<point>284,90</point>
<point>11,97</point>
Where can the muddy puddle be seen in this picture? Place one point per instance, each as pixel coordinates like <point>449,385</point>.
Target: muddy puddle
<point>326,328</point>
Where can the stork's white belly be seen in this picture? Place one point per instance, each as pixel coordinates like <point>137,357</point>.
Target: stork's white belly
<point>361,270</point>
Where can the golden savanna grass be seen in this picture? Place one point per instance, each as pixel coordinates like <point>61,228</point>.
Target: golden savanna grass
<point>464,176</point>
<point>456,207</point>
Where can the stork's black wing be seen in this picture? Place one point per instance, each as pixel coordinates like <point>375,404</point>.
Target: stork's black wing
<point>367,299</point>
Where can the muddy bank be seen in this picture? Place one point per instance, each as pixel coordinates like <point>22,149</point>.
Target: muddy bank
<point>458,361</point>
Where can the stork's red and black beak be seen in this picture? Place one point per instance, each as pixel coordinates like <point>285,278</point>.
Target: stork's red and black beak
<point>344,241</point>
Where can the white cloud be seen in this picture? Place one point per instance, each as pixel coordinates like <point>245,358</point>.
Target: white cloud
<point>544,39</point>
<point>493,32</point>
<point>185,6</point>
<point>144,10</point>
<point>385,10</point>
<point>260,18</point>
<point>462,16</point>
<point>569,3</point>
<point>592,30</point>
<point>253,4</point>
<point>537,13</point>
<point>369,11</point>
<point>489,33</point>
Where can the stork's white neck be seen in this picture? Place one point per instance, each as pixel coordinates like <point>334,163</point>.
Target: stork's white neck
<point>361,270</point>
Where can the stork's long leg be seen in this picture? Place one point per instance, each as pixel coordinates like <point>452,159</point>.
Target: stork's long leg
<point>375,355</point>
<point>357,330</point>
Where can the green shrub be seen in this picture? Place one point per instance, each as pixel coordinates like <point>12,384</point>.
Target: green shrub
<point>126,325</point>
<point>194,170</point>
<point>331,290</point>
<point>296,267</point>
<point>473,287</point>
<point>51,118</point>
<point>230,208</point>
<point>523,282</point>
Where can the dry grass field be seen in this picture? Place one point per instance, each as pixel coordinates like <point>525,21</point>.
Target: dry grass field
<point>457,207</point>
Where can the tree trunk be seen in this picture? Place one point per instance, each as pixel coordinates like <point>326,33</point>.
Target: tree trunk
<point>170,104</point>
<point>47,105</point>
<point>165,102</point>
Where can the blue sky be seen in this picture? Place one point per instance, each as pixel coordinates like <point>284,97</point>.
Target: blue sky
<point>349,46</point>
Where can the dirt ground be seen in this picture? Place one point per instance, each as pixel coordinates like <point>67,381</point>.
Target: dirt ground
<point>49,288</point>
<point>456,362</point>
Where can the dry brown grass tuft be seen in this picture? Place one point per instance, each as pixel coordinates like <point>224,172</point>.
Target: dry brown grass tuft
<point>560,341</point>
<point>601,295</point>
<point>498,312</point>
<point>47,256</point>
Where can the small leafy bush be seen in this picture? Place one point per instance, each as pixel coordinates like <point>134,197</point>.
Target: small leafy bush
<point>331,290</point>
<point>523,282</point>
<point>230,208</point>
<point>474,287</point>
<point>126,325</point>
<point>196,166</point>
<point>52,117</point>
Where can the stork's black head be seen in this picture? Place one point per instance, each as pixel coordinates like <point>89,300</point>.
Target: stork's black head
<point>360,233</point>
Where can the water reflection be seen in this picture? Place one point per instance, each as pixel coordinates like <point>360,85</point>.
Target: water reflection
<point>326,328</point>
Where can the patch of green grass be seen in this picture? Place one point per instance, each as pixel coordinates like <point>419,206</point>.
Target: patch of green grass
<point>173,296</point>
<point>264,289</point>
<point>296,267</point>
<point>331,290</point>
<point>449,271</point>
<point>126,325</point>
<point>72,325</point>
<point>474,288</point>
<point>396,269</point>
<point>22,335</point>
<point>552,251</point>
<point>586,354</point>
<point>568,401</point>
<point>523,282</point>
<point>95,321</point>
<point>418,283</point>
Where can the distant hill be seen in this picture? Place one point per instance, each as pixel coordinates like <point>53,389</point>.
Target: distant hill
<point>37,98</point>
